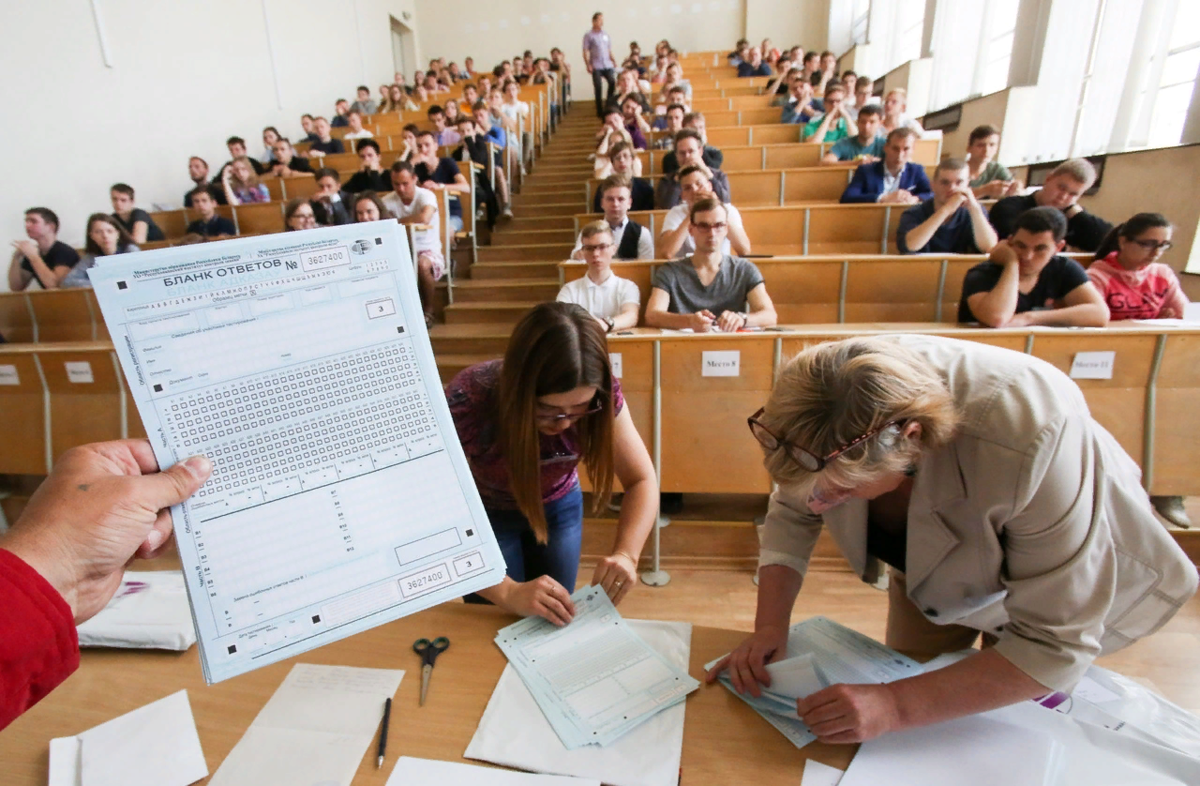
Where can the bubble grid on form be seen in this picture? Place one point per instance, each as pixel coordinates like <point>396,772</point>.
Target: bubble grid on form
<point>299,363</point>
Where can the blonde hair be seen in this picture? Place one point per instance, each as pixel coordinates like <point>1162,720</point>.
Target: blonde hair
<point>1078,169</point>
<point>596,228</point>
<point>835,392</point>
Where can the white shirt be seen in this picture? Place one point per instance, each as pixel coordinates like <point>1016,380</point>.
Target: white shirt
<point>423,239</point>
<point>890,182</point>
<point>601,300</point>
<point>364,134</point>
<point>645,242</point>
<point>676,216</point>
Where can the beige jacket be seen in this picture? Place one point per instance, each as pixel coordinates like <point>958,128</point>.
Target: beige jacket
<point>1031,524</point>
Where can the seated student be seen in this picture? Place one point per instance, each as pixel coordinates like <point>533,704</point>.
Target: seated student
<point>630,239</point>
<point>834,123</point>
<point>635,125</point>
<point>372,176</point>
<point>780,86</point>
<point>269,135</point>
<point>445,135</point>
<point>1025,282</point>
<point>989,179</point>
<point>740,54</point>
<point>134,220</point>
<point>1062,190</point>
<point>627,86</point>
<point>42,259</point>
<point>436,174</point>
<point>354,122</point>
<point>394,100</point>
<point>713,158</point>
<point>411,204</point>
<point>672,125</point>
<point>209,224</point>
<point>306,123</point>
<point>237,149</point>
<point>849,80</point>
<point>894,116</point>
<point>325,143</point>
<point>609,152</point>
<point>369,207</point>
<point>473,149</point>
<point>287,162</point>
<point>866,147</point>
<point>341,110</point>
<point>364,105</point>
<point>673,78</point>
<point>470,96</point>
<point>688,152</point>
<point>612,300</point>
<point>675,239</point>
<point>452,112</point>
<point>710,289</point>
<point>800,107</point>
<point>641,191</point>
<point>330,204</point>
<point>895,179</point>
<point>298,215</point>
<point>408,139</point>
<point>753,65</point>
<point>493,135</point>
<point>674,96</point>
<point>241,184</point>
<point>198,172</point>
<point>952,222</point>
<point>1129,276</point>
<point>863,95</point>
<point>828,73</point>
<point>105,236</point>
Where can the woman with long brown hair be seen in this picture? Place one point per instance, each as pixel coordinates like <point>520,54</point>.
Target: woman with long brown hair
<point>526,422</point>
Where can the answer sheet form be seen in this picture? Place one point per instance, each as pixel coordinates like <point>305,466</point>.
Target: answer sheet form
<point>299,363</point>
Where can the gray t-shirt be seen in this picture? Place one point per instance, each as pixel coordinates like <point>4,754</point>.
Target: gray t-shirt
<point>727,292</point>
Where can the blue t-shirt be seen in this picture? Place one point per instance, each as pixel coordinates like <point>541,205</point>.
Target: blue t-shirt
<point>954,236</point>
<point>849,148</point>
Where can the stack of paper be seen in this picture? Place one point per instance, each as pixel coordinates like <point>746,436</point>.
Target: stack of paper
<point>514,732</point>
<point>594,679</point>
<point>820,653</point>
<point>149,611</point>
<point>155,745</point>
<point>314,730</point>
<point>444,773</point>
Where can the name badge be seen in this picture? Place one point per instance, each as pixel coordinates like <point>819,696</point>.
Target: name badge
<point>79,372</point>
<point>614,360</point>
<point>1093,365</point>
<point>9,375</point>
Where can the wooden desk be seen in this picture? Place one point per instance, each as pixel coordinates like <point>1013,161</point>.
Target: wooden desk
<point>724,740</point>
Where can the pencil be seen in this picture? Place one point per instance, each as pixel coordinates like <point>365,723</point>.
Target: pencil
<point>387,712</point>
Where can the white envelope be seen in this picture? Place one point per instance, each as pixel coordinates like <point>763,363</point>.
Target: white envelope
<point>514,732</point>
<point>149,611</point>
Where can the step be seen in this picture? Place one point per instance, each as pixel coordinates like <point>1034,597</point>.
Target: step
<point>584,168</point>
<point>509,270</point>
<point>560,181</point>
<point>566,194</point>
<point>528,252</point>
<point>470,339</point>
<point>492,290</point>
<point>526,223</point>
<point>449,365</point>
<point>518,237</point>
<point>532,186</point>
<point>567,209</point>
<point>508,313</point>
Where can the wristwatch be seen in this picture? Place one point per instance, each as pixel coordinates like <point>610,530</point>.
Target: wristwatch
<point>745,318</point>
<point>608,321</point>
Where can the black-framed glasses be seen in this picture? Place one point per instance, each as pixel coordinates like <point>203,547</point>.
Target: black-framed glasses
<point>1154,245</point>
<point>805,458</point>
<point>594,408</point>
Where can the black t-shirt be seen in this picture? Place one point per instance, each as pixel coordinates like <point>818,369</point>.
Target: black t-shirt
<point>379,182</point>
<point>218,225</point>
<point>152,230</point>
<point>332,146</point>
<point>712,158</point>
<point>1058,278</point>
<point>1084,231</point>
<point>297,164</point>
<point>641,196</point>
<point>446,172</point>
<point>59,255</point>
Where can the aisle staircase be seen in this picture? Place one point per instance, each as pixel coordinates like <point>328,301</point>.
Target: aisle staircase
<point>518,269</point>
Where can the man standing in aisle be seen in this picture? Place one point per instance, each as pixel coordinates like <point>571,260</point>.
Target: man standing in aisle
<point>598,57</point>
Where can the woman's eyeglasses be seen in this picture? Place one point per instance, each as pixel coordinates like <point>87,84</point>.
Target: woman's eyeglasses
<point>596,407</point>
<point>805,458</point>
<point>1154,245</point>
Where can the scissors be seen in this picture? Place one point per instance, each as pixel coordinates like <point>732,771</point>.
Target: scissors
<point>429,650</point>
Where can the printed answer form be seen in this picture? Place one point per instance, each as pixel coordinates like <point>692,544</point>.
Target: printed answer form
<point>299,363</point>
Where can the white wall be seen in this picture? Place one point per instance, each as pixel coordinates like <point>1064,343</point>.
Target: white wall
<point>789,22</point>
<point>186,74</point>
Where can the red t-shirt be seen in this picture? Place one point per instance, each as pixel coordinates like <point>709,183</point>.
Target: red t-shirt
<point>39,647</point>
<point>1151,292</point>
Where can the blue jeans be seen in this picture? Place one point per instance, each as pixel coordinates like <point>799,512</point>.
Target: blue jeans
<point>527,559</point>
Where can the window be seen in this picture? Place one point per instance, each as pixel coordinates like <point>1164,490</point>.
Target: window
<point>972,46</point>
<point>996,52</point>
<point>859,21</point>
<point>1167,105</point>
<point>897,26</point>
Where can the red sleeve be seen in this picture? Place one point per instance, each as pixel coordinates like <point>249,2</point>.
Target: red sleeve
<point>39,646</point>
<point>618,397</point>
